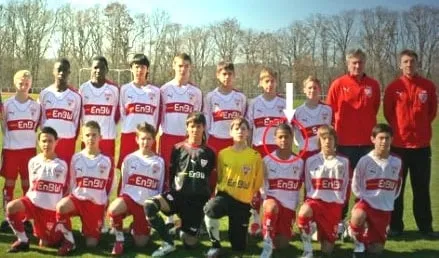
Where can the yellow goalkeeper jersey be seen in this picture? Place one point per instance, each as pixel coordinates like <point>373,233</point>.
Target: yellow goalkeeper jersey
<point>240,174</point>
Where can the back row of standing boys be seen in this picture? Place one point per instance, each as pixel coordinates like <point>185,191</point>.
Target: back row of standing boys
<point>185,187</point>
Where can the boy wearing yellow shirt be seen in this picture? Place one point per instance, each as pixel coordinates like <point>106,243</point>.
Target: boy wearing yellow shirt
<point>240,176</point>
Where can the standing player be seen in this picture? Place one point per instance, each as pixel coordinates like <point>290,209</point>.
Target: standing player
<point>192,165</point>
<point>92,179</point>
<point>353,96</point>
<point>139,102</point>
<point>326,183</point>
<point>376,183</point>
<point>240,175</point>
<point>20,120</point>
<point>264,109</point>
<point>179,98</point>
<point>143,173</point>
<point>100,103</point>
<point>49,182</point>
<point>282,184</point>
<point>221,106</point>
<point>61,109</point>
<point>311,114</point>
<point>410,107</point>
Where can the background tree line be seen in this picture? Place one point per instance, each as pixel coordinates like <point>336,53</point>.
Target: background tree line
<point>30,32</point>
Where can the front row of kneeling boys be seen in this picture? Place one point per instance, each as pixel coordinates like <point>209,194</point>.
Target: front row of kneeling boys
<point>58,192</point>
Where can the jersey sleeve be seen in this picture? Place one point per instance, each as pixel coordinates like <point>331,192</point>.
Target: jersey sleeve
<point>162,176</point>
<point>199,103</point>
<point>208,112</point>
<point>249,114</point>
<point>121,103</point>
<point>358,179</point>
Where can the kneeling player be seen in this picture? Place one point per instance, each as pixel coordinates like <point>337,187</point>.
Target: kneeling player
<point>143,173</point>
<point>48,177</point>
<point>191,168</point>
<point>92,181</point>
<point>326,182</point>
<point>281,186</point>
<point>376,183</point>
<point>240,176</point>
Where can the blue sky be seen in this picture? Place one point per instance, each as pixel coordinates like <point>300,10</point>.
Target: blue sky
<point>258,14</point>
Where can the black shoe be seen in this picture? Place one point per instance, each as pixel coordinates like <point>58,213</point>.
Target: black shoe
<point>28,228</point>
<point>19,246</point>
<point>430,234</point>
<point>394,233</point>
<point>5,227</point>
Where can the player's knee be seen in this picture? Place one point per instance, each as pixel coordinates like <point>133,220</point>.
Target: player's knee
<point>189,241</point>
<point>91,242</point>
<point>12,207</point>
<point>270,206</point>
<point>305,211</point>
<point>140,240</point>
<point>152,207</point>
<point>212,209</point>
<point>358,216</point>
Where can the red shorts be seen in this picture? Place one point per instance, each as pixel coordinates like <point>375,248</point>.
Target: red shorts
<point>377,222</point>
<point>44,222</point>
<point>16,162</point>
<point>327,216</point>
<point>217,144</point>
<point>91,216</point>
<point>261,150</point>
<point>140,224</point>
<point>65,148</point>
<point>285,220</point>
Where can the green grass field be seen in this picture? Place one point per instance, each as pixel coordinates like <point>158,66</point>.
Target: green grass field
<point>409,245</point>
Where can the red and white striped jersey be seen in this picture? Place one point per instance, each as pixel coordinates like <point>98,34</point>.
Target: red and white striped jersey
<point>378,181</point>
<point>177,103</point>
<point>61,111</point>
<point>92,179</point>
<point>283,181</point>
<point>221,109</point>
<point>261,113</point>
<point>325,179</point>
<point>142,177</point>
<point>139,105</point>
<point>20,121</point>
<point>100,105</point>
<point>48,181</point>
<point>311,120</point>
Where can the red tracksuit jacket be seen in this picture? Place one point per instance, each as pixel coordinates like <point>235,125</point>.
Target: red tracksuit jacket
<point>410,106</point>
<point>355,104</point>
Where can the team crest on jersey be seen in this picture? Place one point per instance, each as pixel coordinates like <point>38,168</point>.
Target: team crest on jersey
<point>368,91</point>
<point>258,110</point>
<point>151,96</point>
<point>203,162</point>
<point>130,97</point>
<point>237,102</point>
<point>325,116</point>
<point>280,108</point>
<point>58,171</point>
<point>394,169</point>
<point>155,168</point>
<point>246,169</point>
<point>296,170</point>
<point>78,170</point>
<point>423,96</point>
<point>107,95</point>
<point>33,111</point>
<point>11,113</point>
<point>169,95</point>
<point>191,98</point>
<point>70,101</point>
<point>102,168</point>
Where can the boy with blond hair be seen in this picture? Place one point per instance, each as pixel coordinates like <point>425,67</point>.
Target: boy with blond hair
<point>20,120</point>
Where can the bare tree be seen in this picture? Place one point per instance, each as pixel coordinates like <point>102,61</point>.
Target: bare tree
<point>341,31</point>
<point>421,27</point>
<point>226,35</point>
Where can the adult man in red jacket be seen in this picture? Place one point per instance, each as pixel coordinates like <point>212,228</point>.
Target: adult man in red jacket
<point>355,100</point>
<point>410,106</point>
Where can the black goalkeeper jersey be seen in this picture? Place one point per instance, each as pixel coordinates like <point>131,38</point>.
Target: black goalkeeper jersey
<point>190,169</point>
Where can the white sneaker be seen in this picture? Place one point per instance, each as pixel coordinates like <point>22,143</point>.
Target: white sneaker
<point>359,247</point>
<point>267,248</point>
<point>165,249</point>
<point>342,231</point>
